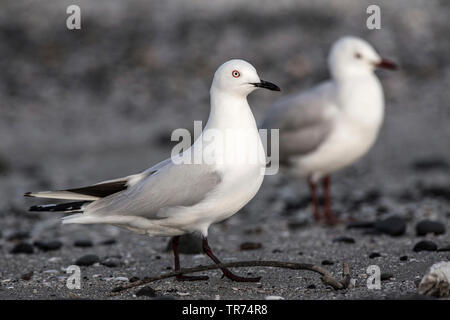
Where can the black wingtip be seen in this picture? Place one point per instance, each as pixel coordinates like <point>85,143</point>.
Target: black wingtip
<point>28,194</point>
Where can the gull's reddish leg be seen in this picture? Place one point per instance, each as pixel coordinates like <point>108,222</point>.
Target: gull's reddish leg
<point>226,273</point>
<point>182,277</point>
<point>329,215</point>
<point>314,199</point>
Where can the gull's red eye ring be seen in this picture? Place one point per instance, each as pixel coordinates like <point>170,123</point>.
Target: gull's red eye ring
<point>236,74</point>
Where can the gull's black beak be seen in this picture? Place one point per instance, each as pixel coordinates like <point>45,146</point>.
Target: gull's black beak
<point>267,85</point>
<point>386,64</point>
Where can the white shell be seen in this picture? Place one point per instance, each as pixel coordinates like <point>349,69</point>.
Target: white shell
<point>437,281</point>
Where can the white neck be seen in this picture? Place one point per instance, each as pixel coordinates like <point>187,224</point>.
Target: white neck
<point>361,98</point>
<point>229,111</point>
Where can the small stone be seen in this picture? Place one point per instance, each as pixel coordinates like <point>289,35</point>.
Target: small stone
<point>311,286</point>
<point>374,255</point>
<point>87,260</point>
<point>134,279</point>
<point>425,227</point>
<point>297,224</point>
<point>83,243</point>
<point>425,245</point>
<point>108,242</point>
<point>360,225</point>
<point>404,258</point>
<point>386,276</point>
<point>22,247</point>
<point>110,262</point>
<point>394,226</point>
<point>48,245</point>
<point>344,240</point>
<point>27,276</point>
<point>250,246</point>
<point>327,263</point>
<point>188,244</point>
<point>146,292</point>
<point>18,236</point>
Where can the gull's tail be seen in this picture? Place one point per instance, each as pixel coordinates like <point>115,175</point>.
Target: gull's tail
<point>68,207</point>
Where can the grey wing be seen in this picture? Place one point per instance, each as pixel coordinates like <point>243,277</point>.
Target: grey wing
<point>303,120</point>
<point>170,185</point>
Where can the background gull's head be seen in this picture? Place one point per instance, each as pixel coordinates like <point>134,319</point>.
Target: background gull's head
<point>352,56</point>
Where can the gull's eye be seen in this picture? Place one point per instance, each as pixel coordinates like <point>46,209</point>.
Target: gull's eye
<point>358,55</point>
<point>236,74</point>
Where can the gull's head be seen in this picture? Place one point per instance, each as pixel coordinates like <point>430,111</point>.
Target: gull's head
<point>351,56</point>
<point>238,77</point>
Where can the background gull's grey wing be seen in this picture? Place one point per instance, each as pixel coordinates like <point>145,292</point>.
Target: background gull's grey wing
<point>303,119</point>
<point>170,185</point>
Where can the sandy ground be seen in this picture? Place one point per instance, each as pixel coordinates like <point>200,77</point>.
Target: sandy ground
<point>78,108</point>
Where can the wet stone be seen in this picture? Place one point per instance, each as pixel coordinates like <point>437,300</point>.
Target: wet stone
<point>18,236</point>
<point>393,226</point>
<point>425,227</point>
<point>83,243</point>
<point>22,247</point>
<point>425,245</point>
<point>250,246</point>
<point>146,292</point>
<point>48,245</point>
<point>87,260</point>
<point>344,240</point>
<point>374,255</point>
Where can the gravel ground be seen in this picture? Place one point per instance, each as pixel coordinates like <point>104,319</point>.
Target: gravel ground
<point>78,107</point>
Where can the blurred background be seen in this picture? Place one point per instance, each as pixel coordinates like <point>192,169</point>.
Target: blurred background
<point>81,106</point>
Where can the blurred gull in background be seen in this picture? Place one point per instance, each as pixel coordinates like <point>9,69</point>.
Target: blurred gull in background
<point>335,123</point>
<point>173,198</point>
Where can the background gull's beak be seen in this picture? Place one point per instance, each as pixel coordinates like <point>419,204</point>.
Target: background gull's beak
<point>386,64</point>
<point>267,85</point>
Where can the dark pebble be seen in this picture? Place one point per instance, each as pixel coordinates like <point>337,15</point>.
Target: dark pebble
<point>83,243</point>
<point>404,258</point>
<point>27,276</point>
<point>277,251</point>
<point>48,245</point>
<point>444,249</point>
<point>297,224</point>
<point>327,263</point>
<point>22,247</point>
<point>311,286</point>
<point>18,236</point>
<point>344,240</point>
<point>108,242</point>
<point>146,291</point>
<point>250,246</point>
<point>386,276</point>
<point>430,164</point>
<point>188,244</point>
<point>134,279</point>
<point>164,298</point>
<point>442,192</point>
<point>427,226</point>
<point>425,245</point>
<point>374,255</point>
<point>360,225</point>
<point>394,226</point>
<point>111,262</point>
<point>87,260</point>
